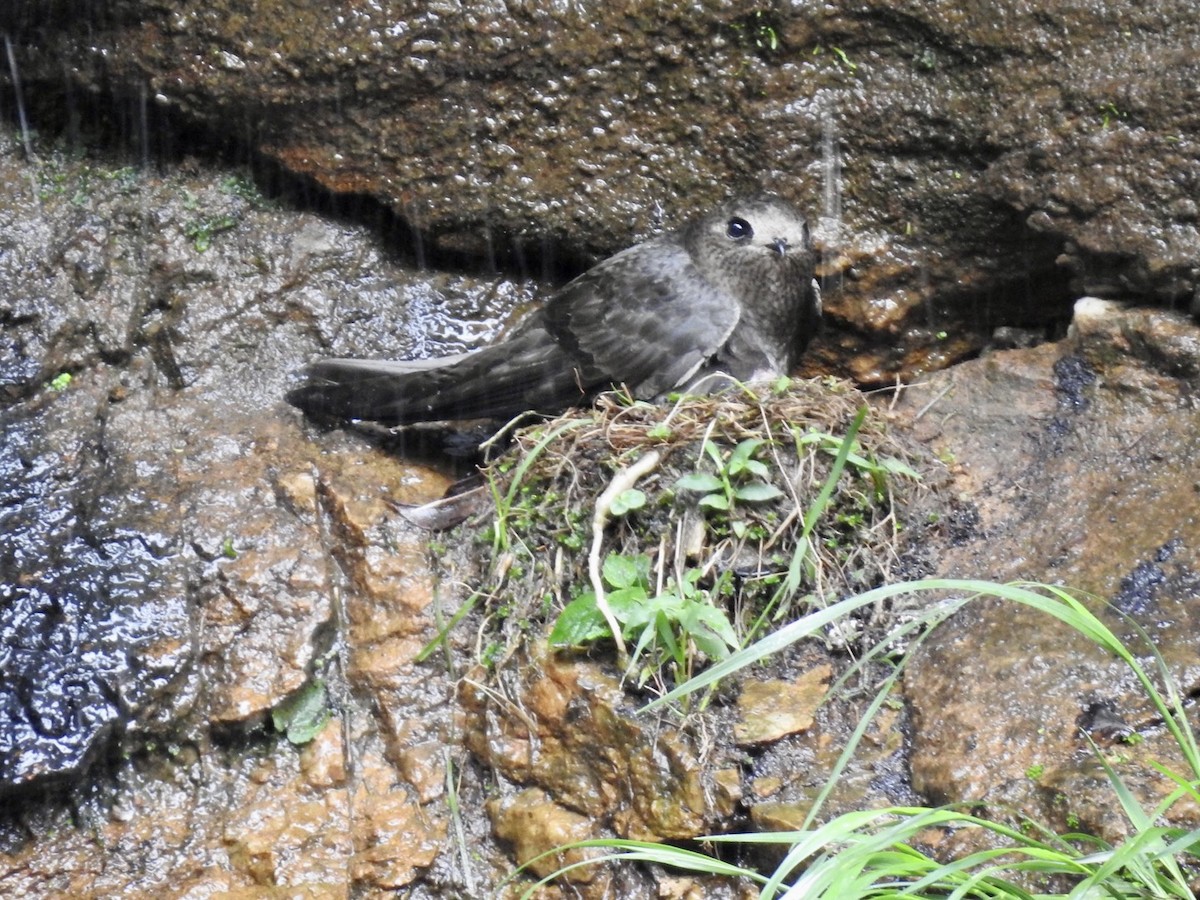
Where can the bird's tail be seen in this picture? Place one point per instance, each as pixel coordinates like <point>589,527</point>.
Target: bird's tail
<point>528,373</point>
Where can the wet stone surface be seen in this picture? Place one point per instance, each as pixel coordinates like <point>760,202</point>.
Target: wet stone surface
<point>972,164</point>
<point>149,323</point>
<point>96,626</point>
<point>1087,481</point>
<point>181,552</point>
<point>165,529</point>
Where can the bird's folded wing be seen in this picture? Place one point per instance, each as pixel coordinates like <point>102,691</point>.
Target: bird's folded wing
<point>647,320</point>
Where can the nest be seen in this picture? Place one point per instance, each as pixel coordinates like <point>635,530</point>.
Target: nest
<point>737,500</point>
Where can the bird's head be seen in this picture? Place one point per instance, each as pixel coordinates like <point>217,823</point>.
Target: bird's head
<point>756,246</point>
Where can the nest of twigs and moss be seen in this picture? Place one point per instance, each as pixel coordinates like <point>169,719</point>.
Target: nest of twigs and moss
<point>693,528</point>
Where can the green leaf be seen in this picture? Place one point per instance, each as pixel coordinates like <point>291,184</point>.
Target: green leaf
<point>807,438</point>
<point>304,714</point>
<point>60,381</point>
<point>620,571</point>
<point>626,501</point>
<point>894,466</point>
<point>756,468</point>
<point>715,501</point>
<point>710,628</point>
<point>644,634</point>
<point>635,616</point>
<point>757,492</point>
<point>659,432</point>
<point>709,644</point>
<point>687,585</point>
<point>580,622</point>
<point>626,603</point>
<point>700,482</point>
<point>666,635</point>
<point>742,453</point>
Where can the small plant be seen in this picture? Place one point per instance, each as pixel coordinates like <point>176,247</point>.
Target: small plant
<point>925,59</point>
<point>842,58</point>
<point>879,470</point>
<point>627,501</point>
<point>60,382</point>
<point>509,508</point>
<point>758,31</point>
<point>739,478</point>
<point>303,715</point>
<point>243,187</point>
<point>1109,113</point>
<point>201,231</point>
<point>671,626</point>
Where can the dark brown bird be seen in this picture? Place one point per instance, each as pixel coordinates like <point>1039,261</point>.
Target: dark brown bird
<point>732,292</point>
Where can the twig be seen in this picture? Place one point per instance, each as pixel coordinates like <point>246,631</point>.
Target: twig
<point>928,406</point>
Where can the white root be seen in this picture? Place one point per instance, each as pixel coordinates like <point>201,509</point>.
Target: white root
<point>621,482</point>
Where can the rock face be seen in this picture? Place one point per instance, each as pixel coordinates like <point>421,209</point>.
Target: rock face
<point>1079,457</point>
<point>167,571</point>
<point>180,554</point>
<point>977,164</point>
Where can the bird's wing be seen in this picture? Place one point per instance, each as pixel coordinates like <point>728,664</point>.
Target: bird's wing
<point>645,318</point>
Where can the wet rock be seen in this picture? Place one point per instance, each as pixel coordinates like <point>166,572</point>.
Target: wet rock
<point>95,624</point>
<point>771,709</point>
<point>535,825</point>
<point>395,837</point>
<point>1090,486</point>
<point>784,780</point>
<point>159,504</point>
<point>178,555</point>
<point>973,165</point>
<point>582,741</point>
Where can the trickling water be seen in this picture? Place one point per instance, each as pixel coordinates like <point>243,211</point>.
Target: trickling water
<point>831,170</point>
<point>416,224</point>
<point>144,125</point>
<point>16,79</point>
<point>831,188</point>
<point>22,119</point>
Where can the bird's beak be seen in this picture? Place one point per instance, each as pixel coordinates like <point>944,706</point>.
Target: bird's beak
<point>780,246</point>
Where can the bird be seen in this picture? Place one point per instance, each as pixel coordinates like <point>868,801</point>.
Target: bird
<point>731,292</point>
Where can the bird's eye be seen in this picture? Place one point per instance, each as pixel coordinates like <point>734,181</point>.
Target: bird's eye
<point>738,229</point>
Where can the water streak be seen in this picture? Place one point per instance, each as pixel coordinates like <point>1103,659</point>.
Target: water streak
<point>26,141</point>
<point>831,192</point>
<point>144,125</point>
